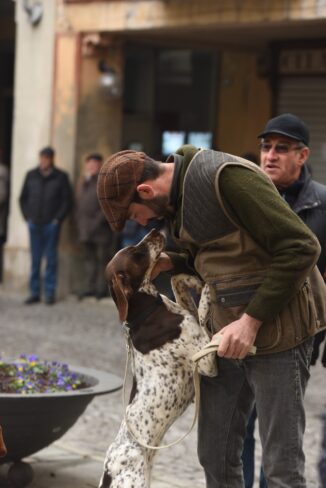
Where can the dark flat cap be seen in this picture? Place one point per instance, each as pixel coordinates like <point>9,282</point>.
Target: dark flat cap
<point>117,183</point>
<point>287,125</point>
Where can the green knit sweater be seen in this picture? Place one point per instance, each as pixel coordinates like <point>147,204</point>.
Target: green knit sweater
<point>275,227</point>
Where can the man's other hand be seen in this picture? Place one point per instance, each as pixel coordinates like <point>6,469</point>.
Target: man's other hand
<point>163,263</point>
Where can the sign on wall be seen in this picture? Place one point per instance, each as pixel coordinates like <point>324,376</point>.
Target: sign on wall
<point>302,61</point>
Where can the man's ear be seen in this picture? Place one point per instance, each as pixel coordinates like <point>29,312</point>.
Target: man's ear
<point>304,155</point>
<point>145,191</point>
<point>122,294</point>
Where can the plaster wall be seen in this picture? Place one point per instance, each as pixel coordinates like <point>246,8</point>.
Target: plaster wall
<point>99,116</point>
<point>130,15</point>
<point>32,125</point>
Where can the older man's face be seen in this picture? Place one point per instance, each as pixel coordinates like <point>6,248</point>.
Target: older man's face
<point>282,159</point>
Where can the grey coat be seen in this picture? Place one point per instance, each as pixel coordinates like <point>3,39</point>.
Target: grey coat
<point>310,205</point>
<point>91,222</point>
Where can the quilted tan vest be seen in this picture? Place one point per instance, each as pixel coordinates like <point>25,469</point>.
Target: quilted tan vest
<point>234,265</point>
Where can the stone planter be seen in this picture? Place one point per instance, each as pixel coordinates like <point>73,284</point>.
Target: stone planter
<point>32,422</point>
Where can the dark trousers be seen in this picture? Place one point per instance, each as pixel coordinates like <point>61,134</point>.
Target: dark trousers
<point>44,242</point>
<point>277,383</point>
<point>322,461</point>
<point>248,455</point>
<point>95,258</point>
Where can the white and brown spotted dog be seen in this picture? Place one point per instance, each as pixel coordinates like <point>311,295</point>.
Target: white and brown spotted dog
<point>165,335</point>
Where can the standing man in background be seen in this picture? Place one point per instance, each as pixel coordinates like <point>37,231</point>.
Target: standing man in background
<point>45,201</point>
<point>95,235</point>
<point>284,151</point>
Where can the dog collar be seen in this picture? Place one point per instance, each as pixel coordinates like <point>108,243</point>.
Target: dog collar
<point>141,317</point>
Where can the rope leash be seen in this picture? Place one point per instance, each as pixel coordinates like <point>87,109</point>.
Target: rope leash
<point>212,346</point>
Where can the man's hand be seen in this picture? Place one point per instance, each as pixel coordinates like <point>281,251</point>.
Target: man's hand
<point>163,263</point>
<point>238,337</point>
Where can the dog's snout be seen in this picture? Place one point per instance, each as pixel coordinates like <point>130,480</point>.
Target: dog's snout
<point>154,234</point>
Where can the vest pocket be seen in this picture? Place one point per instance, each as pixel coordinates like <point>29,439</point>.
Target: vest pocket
<point>230,296</point>
<point>233,297</point>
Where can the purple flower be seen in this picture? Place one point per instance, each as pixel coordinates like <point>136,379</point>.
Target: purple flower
<point>32,357</point>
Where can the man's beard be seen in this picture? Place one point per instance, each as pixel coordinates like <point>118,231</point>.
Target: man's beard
<point>160,206</point>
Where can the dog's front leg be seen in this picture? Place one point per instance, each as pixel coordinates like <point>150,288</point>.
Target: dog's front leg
<point>182,284</point>
<point>127,464</point>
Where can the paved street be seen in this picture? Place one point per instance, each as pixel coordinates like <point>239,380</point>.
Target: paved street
<point>89,334</point>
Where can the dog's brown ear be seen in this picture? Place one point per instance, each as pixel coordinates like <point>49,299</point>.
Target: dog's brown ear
<point>122,294</point>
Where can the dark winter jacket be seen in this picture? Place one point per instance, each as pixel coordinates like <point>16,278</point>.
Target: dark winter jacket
<point>308,199</point>
<point>310,205</point>
<point>44,199</point>
<point>91,222</point>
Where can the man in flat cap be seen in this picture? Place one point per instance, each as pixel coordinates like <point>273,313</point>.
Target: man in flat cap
<point>243,240</point>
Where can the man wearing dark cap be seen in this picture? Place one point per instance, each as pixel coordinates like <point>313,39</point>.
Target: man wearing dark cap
<point>244,241</point>
<point>284,150</point>
<point>45,200</point>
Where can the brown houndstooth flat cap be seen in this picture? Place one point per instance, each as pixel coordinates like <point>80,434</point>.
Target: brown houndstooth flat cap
<point>117,183</point>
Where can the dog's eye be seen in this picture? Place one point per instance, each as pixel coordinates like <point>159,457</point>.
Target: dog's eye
<point>122,278</point>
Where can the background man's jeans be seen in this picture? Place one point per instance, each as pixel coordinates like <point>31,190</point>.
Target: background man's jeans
<point>277,383</point>
<point>322,461</point>
<point>44,242</point>
<point>248,455</point>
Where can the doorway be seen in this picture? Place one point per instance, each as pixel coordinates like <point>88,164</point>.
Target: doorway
<point>170,99</point>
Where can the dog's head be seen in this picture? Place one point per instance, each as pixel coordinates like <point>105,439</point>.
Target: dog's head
<point>131,267</point>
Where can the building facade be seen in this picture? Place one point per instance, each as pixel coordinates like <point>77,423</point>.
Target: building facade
<point>152,74</point>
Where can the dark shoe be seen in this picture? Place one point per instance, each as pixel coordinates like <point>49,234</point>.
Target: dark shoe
<point>50,301</point>
<point>31,300</point>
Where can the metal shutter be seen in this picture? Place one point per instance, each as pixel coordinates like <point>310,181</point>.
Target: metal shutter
<point>306,97</point>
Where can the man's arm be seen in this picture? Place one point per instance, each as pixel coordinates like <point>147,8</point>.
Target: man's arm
<point>65,199</point>
<point>23,198</point>
<point>294,250</point>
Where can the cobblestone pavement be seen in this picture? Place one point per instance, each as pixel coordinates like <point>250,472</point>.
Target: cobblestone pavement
<point>89,334</point>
